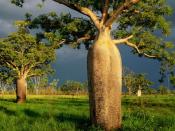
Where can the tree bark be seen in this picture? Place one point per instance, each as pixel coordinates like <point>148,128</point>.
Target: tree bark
<point>105,81</point>
<point>21,90</point>
<point>129,91</point>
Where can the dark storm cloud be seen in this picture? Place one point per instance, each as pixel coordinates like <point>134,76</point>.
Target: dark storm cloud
<point>9,13</point>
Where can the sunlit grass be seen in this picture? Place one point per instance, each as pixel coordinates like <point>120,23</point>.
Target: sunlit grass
<point>71,113</point>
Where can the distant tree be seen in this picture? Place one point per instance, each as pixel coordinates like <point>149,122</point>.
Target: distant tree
<point>141,83</point>
<point>128,79</point>
<point>172,80</point>
<point>72,87</point>
<point>113,22</point>
<point>38,82</point>
<point>162,90</point>
<point>3,87</point>
<point>54,85</point>
<point>6,83</point>
<point>150,91</point>
<point>21,56</point>
<point>135,82</point>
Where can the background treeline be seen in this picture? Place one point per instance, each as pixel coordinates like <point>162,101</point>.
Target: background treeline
<point>42,86</point>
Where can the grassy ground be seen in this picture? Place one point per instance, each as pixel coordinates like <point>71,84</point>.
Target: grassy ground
<point>62,113</point>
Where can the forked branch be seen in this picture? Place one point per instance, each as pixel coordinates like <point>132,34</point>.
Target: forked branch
<point>105,11</point>
<point>84,10</point>
<point>126,42</point>
<point>138,51</point>
<point>117,12</point>
<point>122,40</point>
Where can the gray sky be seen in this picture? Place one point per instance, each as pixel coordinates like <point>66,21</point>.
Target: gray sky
<point>71,63</point>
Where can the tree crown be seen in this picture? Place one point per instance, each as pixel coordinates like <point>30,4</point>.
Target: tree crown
<point>132,22</point>
<point>22,56</point>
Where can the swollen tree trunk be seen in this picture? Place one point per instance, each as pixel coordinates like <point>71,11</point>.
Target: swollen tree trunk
<point>139,92</point>
<point>21,88</point>
<point>105,78</point>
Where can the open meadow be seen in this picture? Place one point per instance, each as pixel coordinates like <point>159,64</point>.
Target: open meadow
<point>71,113</point>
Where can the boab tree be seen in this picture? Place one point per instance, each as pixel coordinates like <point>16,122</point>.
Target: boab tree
<point>129,22</point>
<point>21,56</point>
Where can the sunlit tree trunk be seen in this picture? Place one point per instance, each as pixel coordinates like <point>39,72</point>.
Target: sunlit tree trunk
<point>139,91</point>
<point>105,81</point>
<point>21,90</point>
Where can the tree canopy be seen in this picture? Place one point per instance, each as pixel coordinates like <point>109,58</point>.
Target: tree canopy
<point>133,23</point>
<point>22,56</point>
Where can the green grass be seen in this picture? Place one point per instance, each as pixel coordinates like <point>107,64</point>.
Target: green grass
<point>61,113</point>
<point>149,113</point>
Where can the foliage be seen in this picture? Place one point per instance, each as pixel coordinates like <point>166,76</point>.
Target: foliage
<point>54,83</point>
<point>63,27</point>
<point>150,91</point>
<point>140,18</point>
<point>36,83</point>
<point>41,85</point>
<point>22,56</point>
<point>162,90</point>
<point>133,82</point>
<point>141,82</point>
<point>73,87</point>
<point>6,87</point>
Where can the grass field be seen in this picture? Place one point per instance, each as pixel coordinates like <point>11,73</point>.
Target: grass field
<point>67,113</point>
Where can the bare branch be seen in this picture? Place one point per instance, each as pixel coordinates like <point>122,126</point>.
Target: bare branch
<point>84,10</point>
<point>85,37</point>
<point>126,42</point>
<point>116,13</point>
<point>58,43</point>
<point>122,40</point>
<point>105,11</point>
<point>35,74</point>
<point>62,42</point>
<point>13,67</point>
<point>138,51</point>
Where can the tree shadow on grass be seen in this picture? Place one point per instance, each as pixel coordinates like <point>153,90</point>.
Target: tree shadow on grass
<point>31,113</point>
<point>81,123</point>
<point>7,111</point>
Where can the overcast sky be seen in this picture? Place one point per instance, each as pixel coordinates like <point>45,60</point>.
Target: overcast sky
<point>71,63</point>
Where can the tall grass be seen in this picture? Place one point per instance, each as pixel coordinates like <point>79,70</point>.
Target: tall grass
<point>71,113</point>
<point>149,113</point>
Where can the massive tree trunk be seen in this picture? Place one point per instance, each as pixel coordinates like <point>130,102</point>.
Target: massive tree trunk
<point>105,81</point>
<point>21,88</point>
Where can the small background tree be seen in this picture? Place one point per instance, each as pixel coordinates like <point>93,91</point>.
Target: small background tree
<point>73,88</point>
<point>22,56</point>
<point>37,83</point>
<point>163,90</point>
<point>134,82</point>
